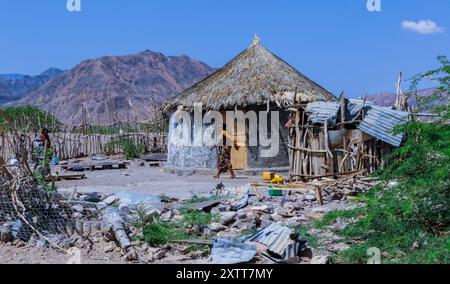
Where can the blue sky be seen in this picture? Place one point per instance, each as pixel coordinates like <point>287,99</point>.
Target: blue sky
<point>338,44</point>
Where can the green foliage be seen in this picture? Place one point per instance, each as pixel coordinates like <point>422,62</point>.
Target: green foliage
<point>156,232</point>
<point>195,198</point>
<point>159,233</point>
<point>129,148</point>
<point>200,248</point>
<point>408,220</point>
<point>27,118</point>
<point>197,218</point>
<point>439,101</point>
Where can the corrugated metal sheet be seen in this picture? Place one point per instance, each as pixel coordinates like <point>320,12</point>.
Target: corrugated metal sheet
<point>379,122</point>
<point>276,237</point>
<point>353,111</point>
<point>228,251</point>
<point>319,112</point>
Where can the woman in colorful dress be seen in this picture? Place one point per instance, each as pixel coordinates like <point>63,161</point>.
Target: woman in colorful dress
<point>224,158</point>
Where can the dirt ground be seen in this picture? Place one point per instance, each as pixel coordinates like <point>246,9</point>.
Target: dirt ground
<point>136,178</point>
<point>10,254</point>
<point>153,181</point>
<point>149,180</point>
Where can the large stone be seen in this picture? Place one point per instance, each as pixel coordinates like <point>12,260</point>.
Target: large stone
<point>244,225</point>
<point>77,215</point>
<point>263,208</point>
<point>242,215</point>
<point>310,197</point>
<point>167,216</point>
<point>284,212</point>
<point>159,253</point>
<point>131,255</point>
<point>216,227</point>
<point>227,218</point>
<point>294,206</point>
<point>124,209</point>
<point>320,259</point>
<point>6,234</point>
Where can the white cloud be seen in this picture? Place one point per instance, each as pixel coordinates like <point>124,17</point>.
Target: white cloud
<point>422,27</point>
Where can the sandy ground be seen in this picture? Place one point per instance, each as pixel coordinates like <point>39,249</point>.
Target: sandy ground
<point>11,254</point>
<point>149,180</point>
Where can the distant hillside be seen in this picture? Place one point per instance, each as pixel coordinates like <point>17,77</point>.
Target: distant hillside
<point>388,99</point>
<point>117,87</point>
<point>15,86</point>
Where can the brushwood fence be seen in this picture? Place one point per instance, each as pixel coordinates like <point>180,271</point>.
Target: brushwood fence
<point>68,145</point>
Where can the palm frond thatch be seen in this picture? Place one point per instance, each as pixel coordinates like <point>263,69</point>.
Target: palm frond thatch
<point>255,77</point>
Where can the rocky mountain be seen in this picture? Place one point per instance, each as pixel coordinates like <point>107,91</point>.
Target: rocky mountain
<point>388,99</point>
<point>15,86</point>
<point>117,87</point>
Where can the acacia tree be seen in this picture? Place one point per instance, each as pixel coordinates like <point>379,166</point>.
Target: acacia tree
<point>438,102</point>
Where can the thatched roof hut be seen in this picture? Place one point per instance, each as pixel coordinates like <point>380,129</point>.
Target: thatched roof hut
<point>255,77</point>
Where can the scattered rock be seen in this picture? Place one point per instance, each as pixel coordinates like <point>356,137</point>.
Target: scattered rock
<point>77,215</point>
<point>294,221</point>
<point>224,208</point>
<point>284,212</point>
<point>320,259</point>
<point>294,206</point>
<point>6,235</point>
<point>244,225</point>
<point>153,213</point>
<point>131,255</point>
<point>320,210</point>
<point>124,209</point>
<point>78,208</point>
<point>167,216</point>
<point>159,254</point>
<point>215,211</point>
<point>252,200</point>
<point>310,197</point>
<point>227,218</point>
<point>110,248</point>
<point>216,227</point>
<point>263,208</point>
<point>242,215</point>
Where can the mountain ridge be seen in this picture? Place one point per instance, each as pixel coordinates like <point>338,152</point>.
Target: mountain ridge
<point>116,87</point>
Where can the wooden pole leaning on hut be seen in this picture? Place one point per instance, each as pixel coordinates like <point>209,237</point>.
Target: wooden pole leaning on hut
<point>342,127</point>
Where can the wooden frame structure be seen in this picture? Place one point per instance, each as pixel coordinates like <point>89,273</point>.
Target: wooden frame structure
<point>331,150</point>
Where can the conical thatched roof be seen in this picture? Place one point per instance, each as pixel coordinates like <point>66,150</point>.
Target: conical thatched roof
<point>254,77</point>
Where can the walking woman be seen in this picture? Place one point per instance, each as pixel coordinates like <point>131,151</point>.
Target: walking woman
<point>224,158</point>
